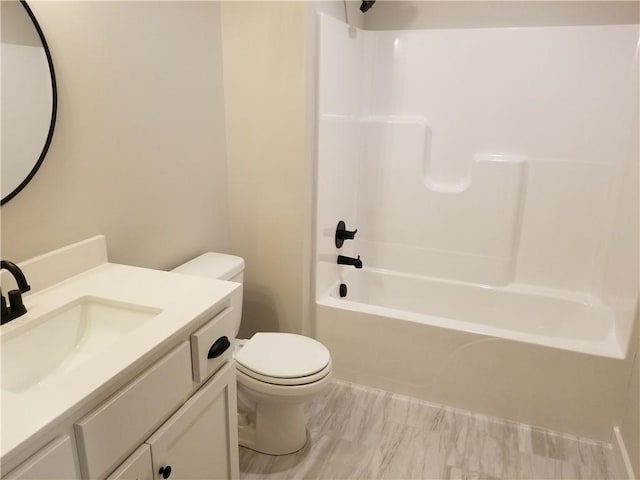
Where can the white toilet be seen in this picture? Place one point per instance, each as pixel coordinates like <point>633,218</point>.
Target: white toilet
<point>276,373</point>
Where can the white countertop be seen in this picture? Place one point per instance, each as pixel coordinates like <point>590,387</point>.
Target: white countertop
<point>182,300</point>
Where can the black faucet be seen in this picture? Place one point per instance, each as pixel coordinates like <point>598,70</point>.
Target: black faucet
<point>15,307</point>
<point>354,262</point>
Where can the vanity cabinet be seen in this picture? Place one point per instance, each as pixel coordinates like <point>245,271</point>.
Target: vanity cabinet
<point>176,419</point>
<point>199,440</point>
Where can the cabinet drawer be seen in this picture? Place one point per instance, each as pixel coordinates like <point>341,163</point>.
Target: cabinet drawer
<point>208,352</point>
<point>107,435</point>
<point>55,461</point>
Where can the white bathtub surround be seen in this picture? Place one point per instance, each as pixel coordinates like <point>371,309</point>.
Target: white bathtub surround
<point>375,434</point>
<point>477,222</point>
<point>492,176</point>
<point>483,155</point>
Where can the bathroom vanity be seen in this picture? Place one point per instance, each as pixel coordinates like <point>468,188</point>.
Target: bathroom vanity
<point>119,372</point>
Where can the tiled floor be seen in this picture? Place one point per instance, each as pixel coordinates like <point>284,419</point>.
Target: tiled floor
<point>356,432</point>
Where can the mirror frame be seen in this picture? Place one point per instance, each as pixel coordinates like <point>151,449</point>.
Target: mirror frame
<point>54,108</point>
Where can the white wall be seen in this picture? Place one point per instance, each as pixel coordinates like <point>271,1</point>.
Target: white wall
<point>269,71</point>
<point>264,78</point>
<point>139,148</point>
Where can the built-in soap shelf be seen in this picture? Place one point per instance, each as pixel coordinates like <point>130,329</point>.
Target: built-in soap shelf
<point>411,137</point>
<point>480,163</point>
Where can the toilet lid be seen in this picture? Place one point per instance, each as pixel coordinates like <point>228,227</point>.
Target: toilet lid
<point>283,355</point>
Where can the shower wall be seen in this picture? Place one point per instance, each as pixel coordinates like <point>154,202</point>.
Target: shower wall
<point>494,155</point>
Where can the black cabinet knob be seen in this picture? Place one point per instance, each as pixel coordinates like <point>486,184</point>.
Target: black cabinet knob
<point>165,471</point>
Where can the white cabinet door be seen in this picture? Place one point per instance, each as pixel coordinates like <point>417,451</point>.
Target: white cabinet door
<point>200,441</point>
<point>136,467</point>
<point>55,461</point>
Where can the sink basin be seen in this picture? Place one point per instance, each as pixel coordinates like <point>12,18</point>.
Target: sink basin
<point>63,339</point>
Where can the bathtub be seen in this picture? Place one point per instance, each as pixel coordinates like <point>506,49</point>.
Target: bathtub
<point>575,322</point>
<point>542,357</point>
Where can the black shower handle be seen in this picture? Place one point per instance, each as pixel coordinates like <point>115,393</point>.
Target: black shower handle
<point>343,234</point>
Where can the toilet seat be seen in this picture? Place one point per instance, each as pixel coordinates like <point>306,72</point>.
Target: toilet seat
<point>285,381</point>
<point>283,359</point>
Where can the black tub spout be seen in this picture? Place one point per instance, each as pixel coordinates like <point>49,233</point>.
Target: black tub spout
<point>354,262</point>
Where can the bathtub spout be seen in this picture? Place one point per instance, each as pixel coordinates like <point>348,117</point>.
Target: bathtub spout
<point>354,262</point>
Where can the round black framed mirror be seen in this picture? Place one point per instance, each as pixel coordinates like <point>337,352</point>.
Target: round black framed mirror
<point>29,98</point>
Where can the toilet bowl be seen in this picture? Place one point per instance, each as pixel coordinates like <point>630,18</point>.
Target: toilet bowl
<point>277,373</point>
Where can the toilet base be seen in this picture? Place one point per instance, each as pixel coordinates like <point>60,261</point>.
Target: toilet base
<point>272,429</point>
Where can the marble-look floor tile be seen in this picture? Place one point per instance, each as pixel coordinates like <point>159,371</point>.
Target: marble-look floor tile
<point>357,432</point>
<point>455,473</point>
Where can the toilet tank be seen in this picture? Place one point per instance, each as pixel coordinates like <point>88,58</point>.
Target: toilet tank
<point>217,266</point>
<point>214,265</point>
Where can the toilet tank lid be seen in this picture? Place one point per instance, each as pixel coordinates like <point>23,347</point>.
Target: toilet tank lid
<point>213,265</point>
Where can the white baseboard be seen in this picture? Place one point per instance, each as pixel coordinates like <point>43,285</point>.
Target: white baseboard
<point>623,462</point>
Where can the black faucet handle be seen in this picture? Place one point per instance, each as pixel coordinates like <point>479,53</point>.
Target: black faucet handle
<point>15,303</point>
<point>4,310</point>
<point>349,235</point>
<point>343,234</point>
